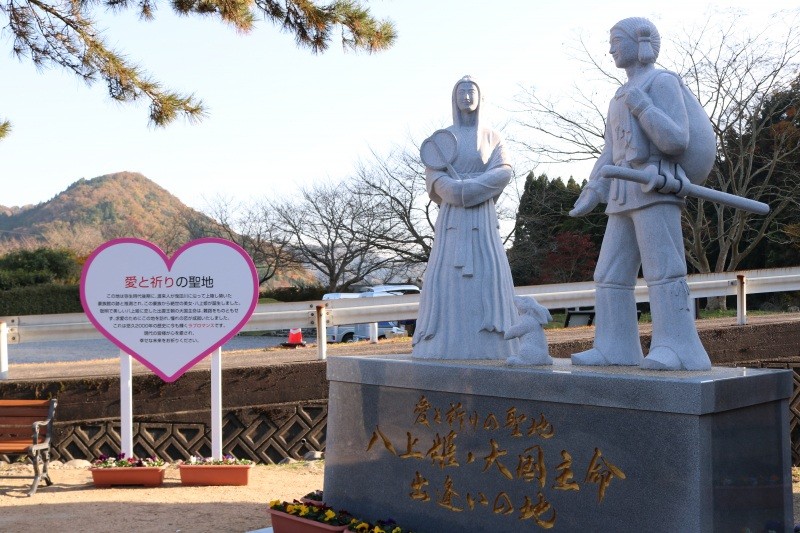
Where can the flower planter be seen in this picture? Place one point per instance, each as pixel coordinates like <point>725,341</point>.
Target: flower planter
<point>148,476</point>
<point>286,523</point>
<point>215,474</point>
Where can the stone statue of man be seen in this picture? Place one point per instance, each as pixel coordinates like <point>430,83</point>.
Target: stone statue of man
<point>648,128</point>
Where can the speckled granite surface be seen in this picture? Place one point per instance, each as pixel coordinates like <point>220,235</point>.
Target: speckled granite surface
<point>480,446</point>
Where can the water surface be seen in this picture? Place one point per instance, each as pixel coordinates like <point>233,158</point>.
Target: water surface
<point>87,350</point>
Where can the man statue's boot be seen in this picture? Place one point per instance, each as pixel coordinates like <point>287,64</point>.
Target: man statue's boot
<point>616,337</point>
<point>675,344</point>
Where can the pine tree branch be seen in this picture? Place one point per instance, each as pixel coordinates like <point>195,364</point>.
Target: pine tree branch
<point>61,33</point>
<point>312,24</point>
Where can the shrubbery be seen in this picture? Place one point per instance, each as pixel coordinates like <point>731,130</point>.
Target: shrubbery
<point>44,299</point>
<point>57,264</point>
<point>39,282</point>
<point>302,293</point>
<point>11,279</point>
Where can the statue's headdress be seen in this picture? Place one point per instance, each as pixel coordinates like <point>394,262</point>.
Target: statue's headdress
<point>456,113</point>
<point>643,32</point>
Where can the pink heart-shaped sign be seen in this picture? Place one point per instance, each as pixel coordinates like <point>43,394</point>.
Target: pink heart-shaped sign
<point>169,313</point>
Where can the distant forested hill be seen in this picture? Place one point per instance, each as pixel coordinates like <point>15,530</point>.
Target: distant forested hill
<point>90,212</point>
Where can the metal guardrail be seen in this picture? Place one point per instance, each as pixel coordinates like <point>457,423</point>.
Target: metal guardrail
<point>322,313</point>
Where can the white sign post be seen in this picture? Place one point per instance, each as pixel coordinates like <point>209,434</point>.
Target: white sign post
<point>3,350</point>
<point>216,404</point>
<point>126,403</point>
<point>168,313</point>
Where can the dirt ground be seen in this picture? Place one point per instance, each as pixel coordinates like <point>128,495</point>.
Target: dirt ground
<point>73,504</point>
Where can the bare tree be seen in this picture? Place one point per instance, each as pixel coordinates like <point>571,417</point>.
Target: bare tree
<point>747,82</point>
<point>81,239</point>
<point>256,229</point>
<point>404,215</point>
<point>330,231</point>
<point>748,85</point>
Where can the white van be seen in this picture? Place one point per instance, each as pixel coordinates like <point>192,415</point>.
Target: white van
<point>354,332</point>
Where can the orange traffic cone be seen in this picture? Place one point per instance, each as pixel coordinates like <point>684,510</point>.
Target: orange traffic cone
<point>295,339</point>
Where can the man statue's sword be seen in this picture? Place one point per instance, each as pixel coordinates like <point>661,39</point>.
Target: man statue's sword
<point>651,179</point>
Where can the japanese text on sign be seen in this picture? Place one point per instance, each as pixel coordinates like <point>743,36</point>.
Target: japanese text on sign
<point>167,317</point>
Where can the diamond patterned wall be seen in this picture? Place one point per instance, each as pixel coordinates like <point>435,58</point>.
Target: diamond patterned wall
<point>265,437</point>
<point>794,402</point>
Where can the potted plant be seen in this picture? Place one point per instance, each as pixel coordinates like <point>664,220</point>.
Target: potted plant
<point>208,471</point>
<point>121,470</point>
<point>299,517</point>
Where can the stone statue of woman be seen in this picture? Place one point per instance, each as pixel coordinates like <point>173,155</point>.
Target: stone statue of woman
<point>467,300</point>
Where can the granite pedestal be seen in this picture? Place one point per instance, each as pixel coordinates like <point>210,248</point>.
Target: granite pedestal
<point>479,446</point>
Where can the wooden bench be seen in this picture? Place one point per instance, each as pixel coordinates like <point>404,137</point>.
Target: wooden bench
<point>26,427</point>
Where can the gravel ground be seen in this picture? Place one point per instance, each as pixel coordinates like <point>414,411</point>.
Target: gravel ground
<point>73,503</point>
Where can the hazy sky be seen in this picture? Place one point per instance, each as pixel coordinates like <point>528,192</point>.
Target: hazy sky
<point>282,117</point>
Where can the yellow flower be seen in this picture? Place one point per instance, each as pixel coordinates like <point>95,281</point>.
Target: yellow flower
<point>295,509</point>
<point>363,526</point>
<point>398,529</point>
<point>329,515</point>
<point>304,510</point>
<point>274,503</point>
<point>378,530</point>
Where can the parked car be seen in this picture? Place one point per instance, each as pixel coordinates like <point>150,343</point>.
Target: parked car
<point>354,332</point>
<point>392,290</point>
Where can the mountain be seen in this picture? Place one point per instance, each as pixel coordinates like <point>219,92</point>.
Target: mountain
<point>90,212</point>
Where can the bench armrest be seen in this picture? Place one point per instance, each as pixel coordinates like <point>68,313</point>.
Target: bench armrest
<point>36,426</point>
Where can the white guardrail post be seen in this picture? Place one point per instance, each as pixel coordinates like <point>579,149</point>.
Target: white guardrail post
<point>741,300</point>
<point>3,350</point>
<point>322,333</point>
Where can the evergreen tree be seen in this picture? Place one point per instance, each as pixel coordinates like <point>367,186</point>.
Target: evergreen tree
<point>543,216</point>
<point>55,33</point>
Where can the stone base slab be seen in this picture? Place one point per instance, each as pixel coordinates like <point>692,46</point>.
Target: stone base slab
<point>480,446</point>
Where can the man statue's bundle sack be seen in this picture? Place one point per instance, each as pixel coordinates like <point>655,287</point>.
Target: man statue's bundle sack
<point>698,158</point>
